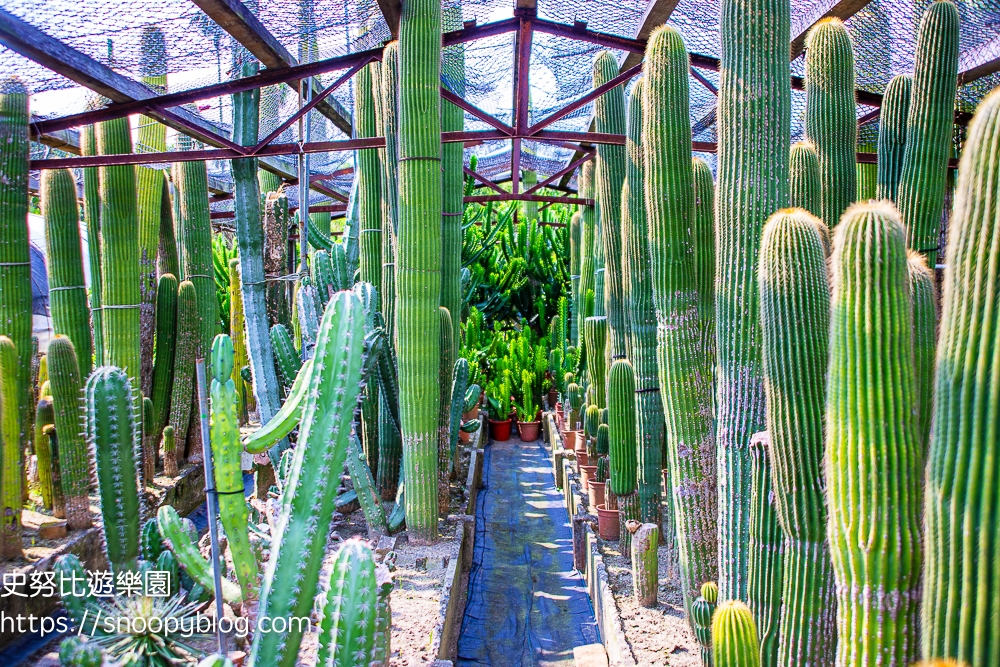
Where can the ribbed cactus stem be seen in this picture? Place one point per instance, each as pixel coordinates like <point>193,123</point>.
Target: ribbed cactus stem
<point>163,368</point>
<point>923,300</point>
<point>621,422</point>
<point>961,602</point>
<point>369,195</point>
<point>684,342</point>
<point>169,452</point>
<point>238,331</point>
<point>575,240</point>
<point>595,335</point>
<point>734,636</point>
<point>445,372</point>
<point>167,258</point>
<point>875,544</point>
<point>182,391</point>
<point>754,138</point>
<point>74,454</point>
<point>45,416</point>
<point>185,549</point>
<point>831,121</point>
<point>453,179</point>
<point>92,220</point>
<point>645,562</point>
<point>588,222</point>
<point>287,357</point>
<point>929,126</point>
<point>805,185</point>
<point>387,116</point>
<point>892,135</point>
<point>764,571</point>
<point>10,453</point>
<point>67,290</point>
<point>191,181</point>
<point>110,427</point>
<point>350,606</point>
<point>795,320</point>
<point>364,487</point>
<point>702,610</point>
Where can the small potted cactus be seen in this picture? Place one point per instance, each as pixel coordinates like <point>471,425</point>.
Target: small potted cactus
<point>595,487</point>
<point>528,424</point>
<point>499,404</point>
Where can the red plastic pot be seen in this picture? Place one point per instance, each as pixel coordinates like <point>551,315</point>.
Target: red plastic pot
<point>596,492</point>
<point>500,431</point>
<point>607,523</point>
<point>529,431</point>
<point>587,473</point>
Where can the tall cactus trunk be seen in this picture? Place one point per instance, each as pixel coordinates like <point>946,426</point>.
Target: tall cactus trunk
<point>186,349</point>
<point>10,454</point>
<point>588,222</point>
<point>892,135</point>
<point>961,604</point>
<point>929,126</point>
<point>923,300</point>
<point>453,182</point>
<point>92,219</point>
<point>683,351</point>
<point>237,328</point>
<point>875,544</point>
<point>805,186</point>
<point>754,139</point>
<point>444,409</point>
<point>163,369</point>
<point>74,454</point>
<point>418,279</point>
<point>621,424</point>
<point>574,277</point>
<point>764,569</point>
<point>167,258</point>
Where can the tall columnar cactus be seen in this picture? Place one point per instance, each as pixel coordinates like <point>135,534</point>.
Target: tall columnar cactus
<point>764,570</point>
<point>67,290</point>
<point>163,368</point>
<point>588,228</point>
<point>892,135</point>
<point>734,636</point>
<point>574,276</point>
<point>387,116</point>
<point>805,185</point>
<point>418,274</point>
<point>609,115</point>
<point>595,335</point>
<point>110,427</point>
<point>45,416</point>
<point>364,488</point>
<point>678,261</point>
<point>191,181</point>
<point>459,383</point>
<point>167,258</point>
<point>702,610</point>
<point>754,137</point>
<point>74,454</point>
<point>645,563</point>
<point>795,319</point>
<point>226,454</point>
<point>15,259</point>
<point>875,544</point>
<point>308,501</point>
<point>929,126</point>
<point>238,329</point>
<point>322,275</point>
<point>961,602</point>
<point>185,350</point>
<point>10,453</point>
<point>621,423</point>
<point>831,121</point>
<point>92,220</point>
<point>369,196</point>
<point>453,178</point>
<point>349,606</point>
<point>923,301</point>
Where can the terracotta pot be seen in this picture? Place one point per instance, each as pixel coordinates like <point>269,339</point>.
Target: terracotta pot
<point>569,439</point>
<point>464,437</point>
<point>529,431</point>
<point>596,492</point>
<point>582,458</point>
<point>607,523</point>
<point>553,397</point>
<point>587,473</point>
<point>471,414</point>
<point>500,431</point>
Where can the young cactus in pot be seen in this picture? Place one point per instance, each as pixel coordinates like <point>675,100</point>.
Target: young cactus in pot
<point>575,396</point>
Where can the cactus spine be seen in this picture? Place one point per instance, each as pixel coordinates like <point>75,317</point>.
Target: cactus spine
<point>110,426</point>
<point>74,454</point>
<point>588,228</point>
<point>929,125</point>
<point>684,351</point>
<point>163,368</point>
<point>754,138</point>
<point>702,610</point>
<point>923,300</point>
<point>795,320</point>
<point>621,424</point>
<point>418,279</point>
<point>609,115</point>
<point>182,391</point>
<point>875,545</point>
<point>961,602</point>
<point>645,573</point>
<point>805,186</point>
<point>10,453</point>
<point>831,121</point>
<point>734,636</point>
<point>892,135</point>
<point>764,570</point>
<point>237,327</point>
<point>308,499</point>
<point>350,606</point>
<point>67,291</point>
<point>226,452</point>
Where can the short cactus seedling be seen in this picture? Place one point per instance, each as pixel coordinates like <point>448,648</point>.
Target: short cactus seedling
<point>349,606</point>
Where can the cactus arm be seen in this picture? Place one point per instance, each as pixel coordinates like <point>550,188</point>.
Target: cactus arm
<point>892,135</point>
<point>364,486</point>
<point>10,452</point>
<point>285,353</point>
<point>185,550</point>
<point>286,419</point>
<point>74,454</point>
<point>182,391</point>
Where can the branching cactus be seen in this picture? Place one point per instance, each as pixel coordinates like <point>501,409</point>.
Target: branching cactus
<point>962,483</point>
<point>74,454</point>
<point>621,422</point>
<point>349,605</point>
<point>875,545</point>
<point>923,300</point>
<point>764,572</point>
<point>805,184</point>
<point>734,636</point>
<point>892,136</point>
<point>702,610</point>
<point>645,563</point>
<point>226,454</point>
<point>307,504</point>
<point>10,453</point>
<point>595,335</point>
<point>163,367</point>
<point>184,546</point>
<point>110,427</point>
<point>182,392</point>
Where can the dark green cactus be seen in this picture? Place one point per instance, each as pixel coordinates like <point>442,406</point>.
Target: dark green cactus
<point>923,300</point>
<point>92,219</point>
<point>150,541</point>
<point>10,453</point>
<point>167,563</point>
<point>369,194</point>
<point>74,455</point>
<point>67,291</point>
<point>110,427</point>
<point>960,545</point>
<point>309,313</point>
<point>167,259</point>
<point>764,570</point>
<point>182,391</point>
<point>364,487</point>
<point>238,331</point>
<point>574,276</point>
<point>163,368</point>
<point>184,546</point>
<point>285,354</point>
<point>453,180</point>
<point>595,335</point>
<point>754,139</point>
<point>287,418</point>
<point>390,445</point>
<point>588,223</point>
<point>734,636</point>
<point>45,416</point>
<point>459,384</point>
<point>603,442</point>
<point>321,272</point>
<point>75,594</point>
<point>621,422</point>
<point>191,182</point>
<point>874,545</point>
<point>794,288</point>
<point>702,610</point>
<point>804,180</point>
<point>349,605</point>
<point>929,125</point>
<point>892,136</point>
<point>445,371</point>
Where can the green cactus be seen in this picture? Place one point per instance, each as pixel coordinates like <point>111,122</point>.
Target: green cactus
<point>67,291</point>
<point>679,282</point>
<point>167,258</point>
<point>226,455</point>
<point>574,396</point>
<point>892,135</point>
<point>602,473</point>
<point>804,180</point>
<point>459,384</point>
<point>766,560</point>
<point>874,545</point>
<point>831,121</point>
<point>702,610</point>
<point>603,442</point>
<point>390,445</point>
<point>349,607</point>
<point>645,562</point>
<point>74,455</point>
<point>167,563</point>
<point>369,194</point>
<point>369,401</point>
<point>182,391</point>
<point>308,499</point>
<point>287,418</point>
<point>445,371</point>
<point>754,138</point>
<point>285,354</point>
<point>185,549</point>
<point>322,274</point>
<point>110,427</point>
<point>150,541</point>
<point>387,117</point>
<point>92,219</point>
<point>453,180</point>
<point>364,487</point>
<point>237,329</point>
<point>929,124</point>
<point>191,182</point>
<point>309,313</point>
<point>923,300</point>
<point>217,660</point>
<point>588,224</point>
<point>794,288</point>
<point>163,369</point>
<point>10,452</point>
<point>734,636</point>
<point>621,422</point>
<point>961,492</point>
<point>592,417</point>
<point>75,593</point>
<point>169,451</point>
<point>45,416</point>
<point>595,335</point>
<point>574,275</point>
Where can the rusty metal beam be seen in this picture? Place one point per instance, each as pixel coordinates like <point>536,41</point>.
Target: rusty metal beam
<point>619,80</point>
<point>481,199</point>
<point>483,180</point>
<point>841,9</point>
<point>472,31</point>
<point>463,104</point>
<point>391,11</point>
<point>554,177</point>
<point>656,14</point>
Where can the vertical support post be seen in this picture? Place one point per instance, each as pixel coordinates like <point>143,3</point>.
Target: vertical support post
<point>522,63</point>
<point>211,499</point>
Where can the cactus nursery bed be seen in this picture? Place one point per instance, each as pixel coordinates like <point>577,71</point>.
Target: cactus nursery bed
<point>273,271</point>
